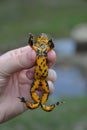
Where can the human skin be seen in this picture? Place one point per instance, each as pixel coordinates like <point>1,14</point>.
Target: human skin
<point>16,76</point>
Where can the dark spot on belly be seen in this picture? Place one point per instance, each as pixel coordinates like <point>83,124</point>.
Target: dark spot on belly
<point>40,68</point>
<point>44,65</point>
<point>45,70</point>
<point>41,63</point>
<point>40,83</point>
<point>43,60</point>
<point>36,73</point>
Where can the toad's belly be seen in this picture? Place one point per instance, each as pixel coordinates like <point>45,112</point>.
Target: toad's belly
<point>41,69</point>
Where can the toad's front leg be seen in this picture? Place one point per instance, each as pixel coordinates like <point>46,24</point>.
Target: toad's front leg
<point>30,42</point>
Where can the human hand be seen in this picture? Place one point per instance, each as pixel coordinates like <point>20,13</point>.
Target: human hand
<point>16,76</point>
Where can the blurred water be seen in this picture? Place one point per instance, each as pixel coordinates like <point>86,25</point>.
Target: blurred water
<point>65,47</point>
<point>70,82</point>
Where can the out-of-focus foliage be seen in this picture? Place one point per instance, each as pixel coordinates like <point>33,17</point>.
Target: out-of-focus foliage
<point>55,17</point>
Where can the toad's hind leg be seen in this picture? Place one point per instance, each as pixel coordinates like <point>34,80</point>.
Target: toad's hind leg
<point>34,95</point>
<point>28,104</point>
<point>45,97</point>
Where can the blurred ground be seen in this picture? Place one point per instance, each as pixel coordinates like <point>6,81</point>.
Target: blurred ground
<point>69,116</point>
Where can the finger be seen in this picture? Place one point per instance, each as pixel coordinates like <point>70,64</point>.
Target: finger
<point>52,76</point>
<point>30,73</point>
<point>17,59</point>
<point>51,58</point>
<point>51,87</point>
<point>23,78</point>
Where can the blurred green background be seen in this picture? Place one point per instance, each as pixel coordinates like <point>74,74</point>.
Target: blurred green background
<point>56,18</point>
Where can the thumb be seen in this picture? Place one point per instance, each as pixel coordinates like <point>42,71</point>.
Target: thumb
<point>16,60</point>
